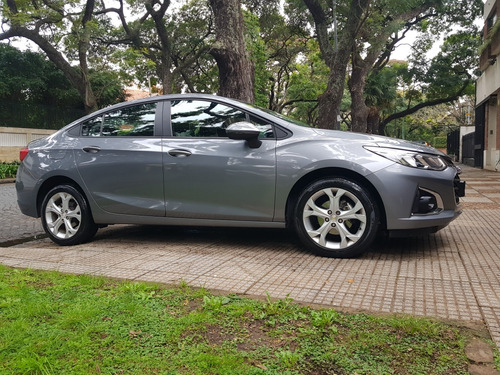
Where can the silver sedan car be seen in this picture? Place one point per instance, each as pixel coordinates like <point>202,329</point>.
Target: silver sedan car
<point>204,160</point>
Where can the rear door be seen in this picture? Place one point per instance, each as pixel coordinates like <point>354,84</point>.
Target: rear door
<point>119,157</point>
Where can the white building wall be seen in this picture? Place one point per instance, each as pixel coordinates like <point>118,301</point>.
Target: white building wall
<point>12,140</point>
<point>488,83</point>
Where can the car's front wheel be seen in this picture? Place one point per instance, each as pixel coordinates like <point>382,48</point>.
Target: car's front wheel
<point>66,217</point>
<point>336,217</point>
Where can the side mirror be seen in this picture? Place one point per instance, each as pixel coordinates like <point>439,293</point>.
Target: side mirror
<point>244,130</point>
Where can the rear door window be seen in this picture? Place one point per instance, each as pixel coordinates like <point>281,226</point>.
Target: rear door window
<point>132,121</point>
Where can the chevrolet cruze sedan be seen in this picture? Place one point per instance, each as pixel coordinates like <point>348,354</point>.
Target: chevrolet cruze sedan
<point>204,160</point>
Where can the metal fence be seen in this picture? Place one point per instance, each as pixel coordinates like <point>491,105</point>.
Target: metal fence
<point>468,149</point>
<point>453,144</point>
<point>31,115</point>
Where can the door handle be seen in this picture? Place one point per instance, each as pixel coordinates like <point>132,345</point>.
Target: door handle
<point>179,153</point>
<point>91,149</point>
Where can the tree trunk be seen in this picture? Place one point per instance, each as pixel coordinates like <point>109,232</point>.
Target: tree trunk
<point>329,101</point>
<point>167,79</point>
<point>165,71</point>
<point>236,71</point>
<point>374,125</point>
<point>90,100</point>
<point>359,109</point>
<point>375,57</point>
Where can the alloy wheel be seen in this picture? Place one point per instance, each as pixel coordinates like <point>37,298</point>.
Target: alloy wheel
<point>63,215</point>
<point>334,218</point>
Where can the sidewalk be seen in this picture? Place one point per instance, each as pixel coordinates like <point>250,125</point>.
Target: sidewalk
<point>454,274</point>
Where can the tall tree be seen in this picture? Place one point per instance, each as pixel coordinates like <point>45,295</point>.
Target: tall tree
<point>192,31</point>
<point>33,92</point>
<point>159,44</point>
<point>388,23</point>
<point>29,77</point>
<point>336,59</point>
<point>287,48</point>
<point>37,20</point>
<point>444,79</point>
<point>147,36</point>
<point>236,71</point>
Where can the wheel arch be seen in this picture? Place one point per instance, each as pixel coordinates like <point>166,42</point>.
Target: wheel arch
<point>323,173</point>
<point>51,183</point>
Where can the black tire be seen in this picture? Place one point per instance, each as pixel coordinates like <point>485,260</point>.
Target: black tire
<point>336,218</point>
<point>66,216</point>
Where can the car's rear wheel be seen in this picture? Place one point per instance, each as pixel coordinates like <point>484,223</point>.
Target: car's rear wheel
<point>336,217</point>
<point>66,216</point>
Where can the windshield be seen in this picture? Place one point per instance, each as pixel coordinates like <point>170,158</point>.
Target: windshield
<point>279,115</point>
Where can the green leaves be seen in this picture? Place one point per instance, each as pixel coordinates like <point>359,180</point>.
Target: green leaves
<point>290,72</point>
<point>214,303</point>
<point>8,170</point>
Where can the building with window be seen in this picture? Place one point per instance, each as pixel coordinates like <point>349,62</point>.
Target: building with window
<point>487,134</point>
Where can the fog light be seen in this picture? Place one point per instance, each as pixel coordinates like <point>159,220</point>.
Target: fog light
<point>426,202</point>
<point>426,205</point>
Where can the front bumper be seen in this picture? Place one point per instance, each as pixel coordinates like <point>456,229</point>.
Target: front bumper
<point>418,200</point>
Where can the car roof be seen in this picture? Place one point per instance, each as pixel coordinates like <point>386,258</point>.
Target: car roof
<point>185,96</point>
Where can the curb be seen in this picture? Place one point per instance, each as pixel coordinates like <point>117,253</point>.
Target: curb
<point>20,241</point>
<point>7,180</point>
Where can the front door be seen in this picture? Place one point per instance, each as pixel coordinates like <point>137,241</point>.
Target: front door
<point>209,176</point>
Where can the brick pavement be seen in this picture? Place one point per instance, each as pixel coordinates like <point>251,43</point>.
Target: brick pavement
<point>454,274</point>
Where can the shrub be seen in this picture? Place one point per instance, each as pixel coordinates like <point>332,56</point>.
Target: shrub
<point>439,142</point>
<point>8,170</point>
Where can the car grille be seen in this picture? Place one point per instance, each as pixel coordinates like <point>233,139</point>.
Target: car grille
<point>459,186</point>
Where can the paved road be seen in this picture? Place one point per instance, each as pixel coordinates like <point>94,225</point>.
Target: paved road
<point>454,274</point>
<point>13,224</point>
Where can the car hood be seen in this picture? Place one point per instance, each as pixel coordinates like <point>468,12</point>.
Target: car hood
<point>377,140</point>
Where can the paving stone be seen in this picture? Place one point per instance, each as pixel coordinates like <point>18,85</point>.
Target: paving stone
<point>478,199</point>
<point>479,352</point>
<point>453,274</point>
<point>482,370</point>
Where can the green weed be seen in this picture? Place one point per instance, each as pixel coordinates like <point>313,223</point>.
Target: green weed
<point>287,358</point>
<point>215,302</point>
<point>325,319</point>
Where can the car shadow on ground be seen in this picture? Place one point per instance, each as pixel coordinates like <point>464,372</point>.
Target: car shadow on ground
<point>272,240</point>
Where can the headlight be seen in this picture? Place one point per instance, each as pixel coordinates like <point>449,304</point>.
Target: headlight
<point>411,158</point>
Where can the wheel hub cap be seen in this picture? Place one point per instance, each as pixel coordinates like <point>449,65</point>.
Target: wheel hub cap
<point>334,218</point>
<point>63,215</point>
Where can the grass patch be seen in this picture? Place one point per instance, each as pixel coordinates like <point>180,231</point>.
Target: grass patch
<point>8,170</point>
<point>52,323</point>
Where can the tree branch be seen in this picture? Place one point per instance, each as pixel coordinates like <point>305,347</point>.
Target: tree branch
<point>321,25</point>
<point>429,103</point>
